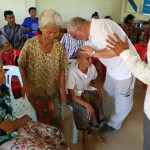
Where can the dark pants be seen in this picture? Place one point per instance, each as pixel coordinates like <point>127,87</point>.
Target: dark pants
<point>146,133</point>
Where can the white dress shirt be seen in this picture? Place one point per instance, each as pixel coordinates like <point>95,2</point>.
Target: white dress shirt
<point>100,29</point>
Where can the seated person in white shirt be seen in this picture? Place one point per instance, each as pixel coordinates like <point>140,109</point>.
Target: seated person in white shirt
<point>71,45</point>
<point>86,98</point>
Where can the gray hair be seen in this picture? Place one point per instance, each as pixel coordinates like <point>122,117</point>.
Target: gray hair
<point>74,23</point>
<point>79,53</point>
<point>49,17</point>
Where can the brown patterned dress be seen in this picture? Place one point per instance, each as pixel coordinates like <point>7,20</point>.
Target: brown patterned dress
<point>43,73</point>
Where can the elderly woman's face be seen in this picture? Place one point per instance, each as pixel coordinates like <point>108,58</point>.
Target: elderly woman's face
<point>85,60</point>
<point>2,74</point>
<point>50,32</point>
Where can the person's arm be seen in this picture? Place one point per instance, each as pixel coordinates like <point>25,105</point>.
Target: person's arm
<point>62,85</point>
<point>26,87</point>
<point>9,126</point>
<point>5,48</point>
<point>5,42</point>
<point>105,53</point>
<point>89,108</point>
<point>23,64</point>
<point>96,85</point>
<point>25,25</point>
<point>140,69</point>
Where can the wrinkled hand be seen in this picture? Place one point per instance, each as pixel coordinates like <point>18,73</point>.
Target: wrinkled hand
<point>26,90</point>
<point>117,46</point>
<point>87,50</point>
<point>90,111</point>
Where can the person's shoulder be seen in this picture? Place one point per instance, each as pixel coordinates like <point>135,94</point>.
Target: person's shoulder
<point>32,40</point>
<point>27,18</point>
<point>66,35</point>
<point>58,44</point>
<point>5,27</point>
<point>72,68</point>
<point>19,26</point>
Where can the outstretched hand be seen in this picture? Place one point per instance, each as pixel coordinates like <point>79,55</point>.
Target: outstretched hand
<point>117,46</point>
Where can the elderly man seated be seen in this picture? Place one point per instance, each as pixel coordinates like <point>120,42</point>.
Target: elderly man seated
<point>86,98</point>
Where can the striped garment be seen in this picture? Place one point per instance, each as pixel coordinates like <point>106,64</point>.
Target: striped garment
<point>15,36</point>
<point>71,45</point>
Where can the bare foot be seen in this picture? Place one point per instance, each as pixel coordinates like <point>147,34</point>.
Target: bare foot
<point>100,138</point>
<point>86,145</point>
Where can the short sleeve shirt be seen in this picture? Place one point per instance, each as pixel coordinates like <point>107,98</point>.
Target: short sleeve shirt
<point>43,69</point>
<point>80,81</point>
<point>15,36</point>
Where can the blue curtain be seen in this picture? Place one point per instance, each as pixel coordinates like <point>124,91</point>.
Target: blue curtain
<point>146,7</point>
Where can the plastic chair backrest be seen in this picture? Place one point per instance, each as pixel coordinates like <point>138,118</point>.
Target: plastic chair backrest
<point>12,71</point>
<point>10,56</point>
<point>21,106</point>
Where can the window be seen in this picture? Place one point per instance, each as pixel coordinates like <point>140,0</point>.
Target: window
<point>146,7</point>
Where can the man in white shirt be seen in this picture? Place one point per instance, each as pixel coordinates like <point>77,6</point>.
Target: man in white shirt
<point>141,70</point>
<point>119,82</point>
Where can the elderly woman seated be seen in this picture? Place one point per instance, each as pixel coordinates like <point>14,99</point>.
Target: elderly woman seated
<point>86,98</point>
<point>23,133</point>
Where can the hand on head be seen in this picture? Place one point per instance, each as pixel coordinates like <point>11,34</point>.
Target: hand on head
<point>117,45</point>
<point>87,50</point>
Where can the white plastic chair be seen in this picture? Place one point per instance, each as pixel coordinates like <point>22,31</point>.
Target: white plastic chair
<point>74,129</point>
<point>21,106</point>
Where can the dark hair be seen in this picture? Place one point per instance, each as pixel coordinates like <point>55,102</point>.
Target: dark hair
<point>31,8</point>
<point>95,14</point>
<point>7,12</point>
<point>129,17</point>
<point>108,17</point>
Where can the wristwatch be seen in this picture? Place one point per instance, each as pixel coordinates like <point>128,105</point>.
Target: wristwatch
<point>93,53</point>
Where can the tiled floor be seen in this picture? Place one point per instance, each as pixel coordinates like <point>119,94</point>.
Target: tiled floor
<point>129,137</point>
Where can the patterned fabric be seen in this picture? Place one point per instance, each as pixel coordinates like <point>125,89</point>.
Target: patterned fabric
<point>32,135</point>
<point>71,45</point>
<point>37,136</point>
<point>16,37</point>
<point>43,70</point>
<point>80,113</point>
<point>6,111</point>
<point>48,110</point>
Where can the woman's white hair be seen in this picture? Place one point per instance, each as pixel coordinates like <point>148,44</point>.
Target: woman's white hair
<point>49,17</point>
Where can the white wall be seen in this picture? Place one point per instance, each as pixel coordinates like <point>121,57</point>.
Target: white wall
<point>82,8</point>
<point>67,8</point>
<point>17,6</point>
<point>127,9</point>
